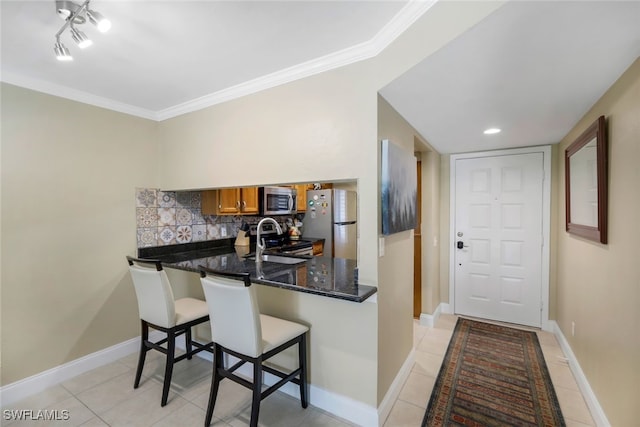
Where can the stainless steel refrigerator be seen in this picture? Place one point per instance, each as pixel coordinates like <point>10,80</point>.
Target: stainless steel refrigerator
<point>332,215</point>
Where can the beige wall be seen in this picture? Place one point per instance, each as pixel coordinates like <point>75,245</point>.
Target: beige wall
<point>556,226</point>
<point>343,340</point>
<point>430,230</point>
<point>445,223</point>
<point>598,286</point>
<point>306,131</point>
<point>395,269</point>
<point>68,220</point>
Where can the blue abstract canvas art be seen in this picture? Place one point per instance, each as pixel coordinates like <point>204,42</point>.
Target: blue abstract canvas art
<point>399,188</point>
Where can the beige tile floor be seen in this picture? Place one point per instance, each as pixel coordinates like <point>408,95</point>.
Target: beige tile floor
<point>105,396</point>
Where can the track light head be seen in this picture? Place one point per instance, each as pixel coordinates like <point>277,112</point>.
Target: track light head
<point>80,38</point>
<point>96,18</point>
<point>62,53</point>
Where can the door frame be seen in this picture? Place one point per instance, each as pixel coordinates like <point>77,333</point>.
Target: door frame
<point>546,220</point>
<point>417,248</point>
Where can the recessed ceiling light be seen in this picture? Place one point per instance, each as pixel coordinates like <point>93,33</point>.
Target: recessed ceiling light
<point>491,131</point>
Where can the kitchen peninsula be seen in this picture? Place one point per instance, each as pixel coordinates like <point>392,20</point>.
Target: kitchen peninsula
<point>320,291</point>
<point>319,275</point>
<point>317,291</point>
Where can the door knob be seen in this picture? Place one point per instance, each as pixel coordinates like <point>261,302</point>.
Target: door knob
<point>461,244</point>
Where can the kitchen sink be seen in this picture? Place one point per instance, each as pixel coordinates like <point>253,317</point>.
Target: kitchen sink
<point>279,259</point>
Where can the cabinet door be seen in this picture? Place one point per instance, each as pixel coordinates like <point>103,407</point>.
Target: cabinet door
<point>209,202</point>
<point>318,247</point>
<point>301,195</point>
<point>228,201</point>
<point>249,200</point>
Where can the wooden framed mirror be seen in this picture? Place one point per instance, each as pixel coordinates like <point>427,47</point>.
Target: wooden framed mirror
<point>586,188</point>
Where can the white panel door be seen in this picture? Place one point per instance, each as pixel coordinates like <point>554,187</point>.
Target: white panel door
<point>498,223</point>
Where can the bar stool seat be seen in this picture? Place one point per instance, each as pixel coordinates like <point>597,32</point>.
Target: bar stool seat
<point>277,331</point>
<point>238,329</point>
<point>188,309</point>
<point>159,310</point>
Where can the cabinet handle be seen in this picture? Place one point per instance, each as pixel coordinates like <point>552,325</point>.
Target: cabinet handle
<point>244,205</point>
<point>238,204</point>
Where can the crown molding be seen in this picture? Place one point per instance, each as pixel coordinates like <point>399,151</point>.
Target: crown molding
<point>401,22</point>
<point>394,28</point>
<point>413,10</point>
<point>76,95</point>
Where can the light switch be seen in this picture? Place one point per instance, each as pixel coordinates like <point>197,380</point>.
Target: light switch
<point>381,246</point>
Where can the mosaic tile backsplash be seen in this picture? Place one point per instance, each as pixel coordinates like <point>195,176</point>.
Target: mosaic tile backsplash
<point>174,217</point>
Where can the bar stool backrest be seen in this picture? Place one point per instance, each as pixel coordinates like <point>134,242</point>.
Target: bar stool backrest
<point>234,314</point>
<point>155,297</point>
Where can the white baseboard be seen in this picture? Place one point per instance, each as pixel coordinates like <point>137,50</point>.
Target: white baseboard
<point>431,319</point>
<point>14,392</point>
<point>334,403</point>
<point>445,308</point>
<point>394,390</point>
<point>342,406</point>
<point>589,396</point>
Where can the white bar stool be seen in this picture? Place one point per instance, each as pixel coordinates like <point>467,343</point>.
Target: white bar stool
<point>238,329</point>
<point>160,311</point>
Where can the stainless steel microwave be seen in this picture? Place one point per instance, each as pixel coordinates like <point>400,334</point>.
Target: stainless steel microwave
<point>278,200</point>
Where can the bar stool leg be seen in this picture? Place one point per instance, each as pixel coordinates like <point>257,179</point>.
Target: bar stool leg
<point>257,391</point>
<point>187,341</point>
<point>171,350</point>
<point>302,361</point>
<point>215,383</point>
<point>144,336</point>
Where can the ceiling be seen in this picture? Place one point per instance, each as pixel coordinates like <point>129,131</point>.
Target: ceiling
<point>165,58</point>
<point>530,68</point>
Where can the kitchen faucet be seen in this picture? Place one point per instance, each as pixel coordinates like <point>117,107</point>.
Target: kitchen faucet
<point>260,244</point>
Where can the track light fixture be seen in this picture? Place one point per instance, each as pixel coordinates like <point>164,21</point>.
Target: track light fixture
<point>77,14</point>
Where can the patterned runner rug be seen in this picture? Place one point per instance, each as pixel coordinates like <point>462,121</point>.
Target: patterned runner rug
<point>493,376</point>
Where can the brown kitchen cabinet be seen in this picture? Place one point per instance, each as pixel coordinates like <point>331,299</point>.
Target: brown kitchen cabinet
<point>249,201</point>
<point>302,193</point>
<point>318,247</point>
<point>230,201</point>
<point>301,190</point>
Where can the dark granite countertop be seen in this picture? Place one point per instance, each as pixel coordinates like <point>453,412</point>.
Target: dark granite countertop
<point>325,276</point>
